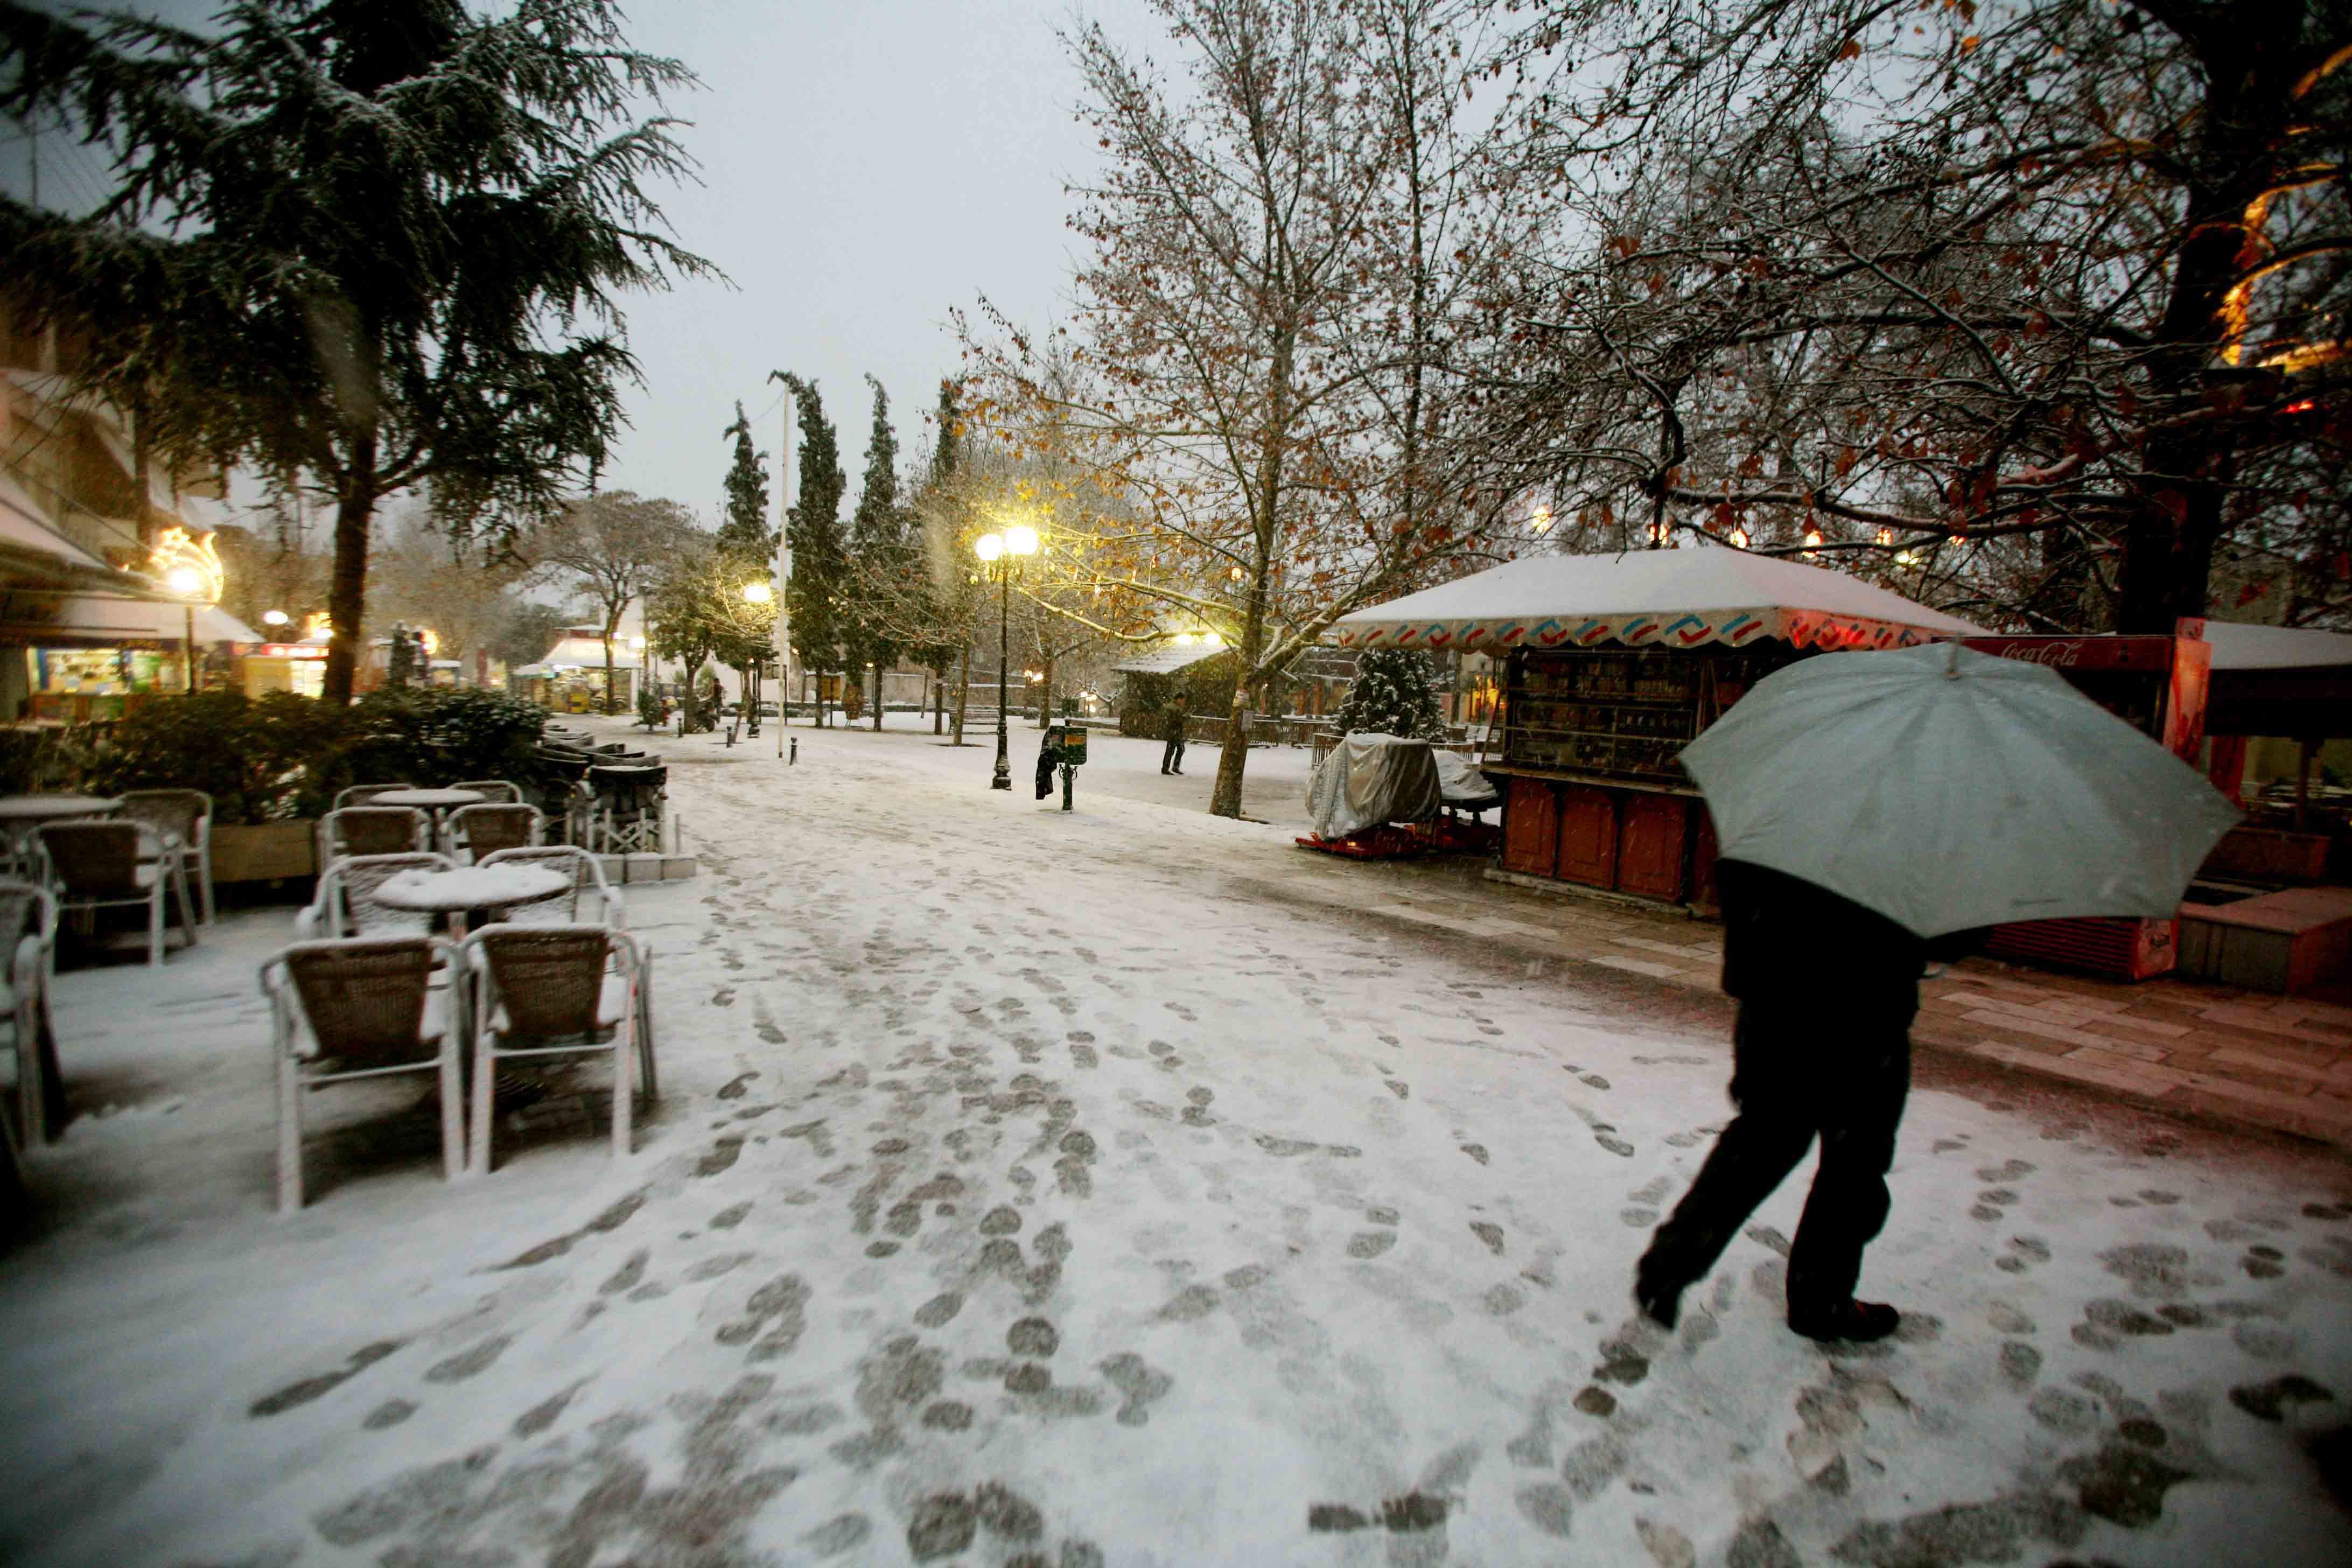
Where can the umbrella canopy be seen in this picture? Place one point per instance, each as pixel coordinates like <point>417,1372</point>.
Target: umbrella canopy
<point>1948,789</point>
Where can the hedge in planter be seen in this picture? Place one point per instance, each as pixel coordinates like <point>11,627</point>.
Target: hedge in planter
<point>261,760</point>
<point>435,736</point>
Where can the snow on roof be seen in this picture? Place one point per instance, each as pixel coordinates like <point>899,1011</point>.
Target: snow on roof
<point>1672,597</point>
<point>1167,660</point>
<point>2239,646</point>
<point>23,523</point>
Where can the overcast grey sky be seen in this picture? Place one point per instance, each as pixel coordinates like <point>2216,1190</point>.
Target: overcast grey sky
<point>868,165</point>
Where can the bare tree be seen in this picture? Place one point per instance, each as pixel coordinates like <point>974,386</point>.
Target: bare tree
<point>462,589</point>
<point>2036,306</point>
<point>1255,404</point>
<point>612,548</point>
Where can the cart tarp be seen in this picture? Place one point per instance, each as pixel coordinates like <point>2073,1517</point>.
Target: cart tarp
<point>1464,787</point>
<point>1367,780</point>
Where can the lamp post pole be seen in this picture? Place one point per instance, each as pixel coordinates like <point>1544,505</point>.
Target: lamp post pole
<point>1004,776</point>
<point>1004,552</point>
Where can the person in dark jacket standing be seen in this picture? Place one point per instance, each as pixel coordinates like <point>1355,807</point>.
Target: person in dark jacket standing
<point>1827,990</point>
<point>1171,761</point>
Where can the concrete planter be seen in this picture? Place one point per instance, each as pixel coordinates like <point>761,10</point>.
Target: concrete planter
<point>264,853</point>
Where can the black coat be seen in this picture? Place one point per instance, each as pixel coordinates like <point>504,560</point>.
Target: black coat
<point>1788,945</point>
<point>1179,717</point>
<point>1045,768</point>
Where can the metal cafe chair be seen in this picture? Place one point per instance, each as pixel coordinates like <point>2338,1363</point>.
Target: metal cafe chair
<point>186,815</point>
<point>98,865</point>
<point>29,914</point>
<point>484,830</point>
<point>543,991</point>
<point>373,1012</point>
<point>345,903</point>
<point>373,830</point>
<point>587,874</point>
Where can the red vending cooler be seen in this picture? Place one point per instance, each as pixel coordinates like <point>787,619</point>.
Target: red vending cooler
<point>2157,685</point>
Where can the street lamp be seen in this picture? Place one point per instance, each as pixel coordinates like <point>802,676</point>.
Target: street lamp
<point>756,592</point>
<point>190,568</point>
<point>1009,547</point>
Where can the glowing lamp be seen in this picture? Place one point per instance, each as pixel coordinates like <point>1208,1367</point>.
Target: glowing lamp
<point>758,593</point>
<point>989,547</point>
<point>275,617</point>
<point>1021,540</point>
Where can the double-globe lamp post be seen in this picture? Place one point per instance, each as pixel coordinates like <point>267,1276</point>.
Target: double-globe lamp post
<point>1008,548</point>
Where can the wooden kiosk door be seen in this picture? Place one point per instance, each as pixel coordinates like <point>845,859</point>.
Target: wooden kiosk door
<point>1588,837</point>
<point>1530,827</point>
<point>1651,840</point>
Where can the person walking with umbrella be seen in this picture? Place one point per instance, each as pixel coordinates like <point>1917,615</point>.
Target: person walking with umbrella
<point>1876,812</point>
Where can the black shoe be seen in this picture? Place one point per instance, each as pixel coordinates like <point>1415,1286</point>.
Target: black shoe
<point>1856,1321</point>
<point>1660,1302</point>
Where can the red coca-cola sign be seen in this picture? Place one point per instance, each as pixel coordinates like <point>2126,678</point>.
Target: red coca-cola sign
<point>2153,655</point>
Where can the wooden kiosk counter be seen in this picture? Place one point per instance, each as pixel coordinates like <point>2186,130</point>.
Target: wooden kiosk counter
<point>1611,664</point>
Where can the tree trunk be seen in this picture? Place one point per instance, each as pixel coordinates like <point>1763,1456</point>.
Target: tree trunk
<point>878,694</point>
<point>963,689</point>
<point>939,699</point>
<point>1233,758</point>
<point>347,582</point>
<point>1046,693</point>
<point>2250,63</point>
<point>612,620</point>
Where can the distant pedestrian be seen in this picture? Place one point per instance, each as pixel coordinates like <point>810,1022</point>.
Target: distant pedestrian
<point>1827,990</point>
<point>1171,761</point>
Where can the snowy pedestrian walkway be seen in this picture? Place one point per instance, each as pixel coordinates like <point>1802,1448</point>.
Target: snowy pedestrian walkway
<point>1045,1189</point>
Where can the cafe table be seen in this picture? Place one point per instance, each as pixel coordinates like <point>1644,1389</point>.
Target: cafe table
<point>434,803</point>
<point>481,895</point>
<point>20,815</point>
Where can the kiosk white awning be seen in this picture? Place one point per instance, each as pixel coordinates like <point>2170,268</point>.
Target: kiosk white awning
<point>1672,598</point>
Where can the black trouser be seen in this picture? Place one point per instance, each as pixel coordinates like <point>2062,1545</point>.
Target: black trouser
<point>1172,759</point>
<point>1796,1075</point>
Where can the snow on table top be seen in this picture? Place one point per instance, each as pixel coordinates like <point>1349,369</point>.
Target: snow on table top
<point>471,887</point>
<point>429,797</point>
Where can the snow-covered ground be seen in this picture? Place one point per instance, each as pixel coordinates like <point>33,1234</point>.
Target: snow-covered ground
<point>1036,1189</point>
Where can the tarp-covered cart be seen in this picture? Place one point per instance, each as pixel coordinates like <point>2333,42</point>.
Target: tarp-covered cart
<point>1611,665</point>
<point>1380,797</point>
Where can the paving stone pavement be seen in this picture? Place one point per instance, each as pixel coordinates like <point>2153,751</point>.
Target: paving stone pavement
<point>2216,1054</point>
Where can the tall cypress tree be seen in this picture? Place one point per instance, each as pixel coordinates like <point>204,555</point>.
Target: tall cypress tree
<point>744,529</point>
<point>820,554</point>
<point>877,540</point>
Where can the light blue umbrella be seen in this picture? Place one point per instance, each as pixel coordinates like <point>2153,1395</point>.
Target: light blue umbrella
<point>1948,789</point>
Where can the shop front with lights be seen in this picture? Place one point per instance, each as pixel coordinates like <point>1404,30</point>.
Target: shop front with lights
<point>299,668</point>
